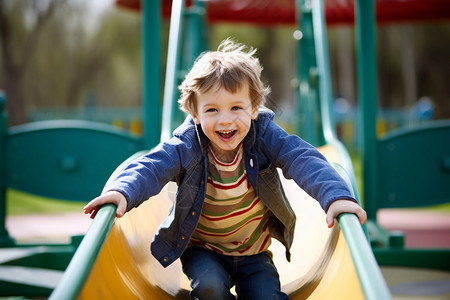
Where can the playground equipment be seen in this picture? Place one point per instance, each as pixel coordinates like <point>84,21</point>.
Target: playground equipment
<point>66,160</point>
<point>125,269</point>
<point>405,168</point>
<point>339,262</point>
<point>118,248</point>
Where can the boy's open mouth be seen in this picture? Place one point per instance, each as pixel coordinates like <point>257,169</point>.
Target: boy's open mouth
<point>226,134</point>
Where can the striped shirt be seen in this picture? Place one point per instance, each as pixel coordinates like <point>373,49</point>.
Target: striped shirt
<point>234,221</point>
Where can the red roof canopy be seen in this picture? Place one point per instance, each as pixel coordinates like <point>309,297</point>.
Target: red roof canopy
<point>271,12</point>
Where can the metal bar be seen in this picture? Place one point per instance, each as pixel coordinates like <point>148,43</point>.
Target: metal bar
<point>307,105</point>
<point>435,259</point>
<point>194,34</point>
<point>173,61</point>
<point>372,281</point>
<point>323,68</point>
<point>367,82</point>
<point>369,274</point>
<point>193,43</point>
<point>325,86</point>
<point>151,57</point>
<point>82,262</point>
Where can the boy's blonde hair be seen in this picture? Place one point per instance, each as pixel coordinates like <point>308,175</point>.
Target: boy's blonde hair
<point>229,67</point>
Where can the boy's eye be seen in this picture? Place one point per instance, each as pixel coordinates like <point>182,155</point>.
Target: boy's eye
<point>236,108</point>
<point>211,110</point>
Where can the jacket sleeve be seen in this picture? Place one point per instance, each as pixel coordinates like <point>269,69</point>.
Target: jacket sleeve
<point>148,174</point>
<point>304,164</point>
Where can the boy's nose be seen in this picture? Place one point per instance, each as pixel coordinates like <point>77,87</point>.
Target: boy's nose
<point>225,118</point>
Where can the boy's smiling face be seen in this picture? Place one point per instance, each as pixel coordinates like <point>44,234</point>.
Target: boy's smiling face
<point>225,119</point>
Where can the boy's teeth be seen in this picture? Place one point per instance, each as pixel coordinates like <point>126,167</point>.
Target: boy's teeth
<point>226,133</point>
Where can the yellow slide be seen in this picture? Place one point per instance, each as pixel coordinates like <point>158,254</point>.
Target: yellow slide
<point>321,266</point>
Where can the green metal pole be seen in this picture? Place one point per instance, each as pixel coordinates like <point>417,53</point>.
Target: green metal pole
<point>372,282</point>
<point>151,106</point>
<point>195,34</point>
<point>173,62</point>
<point>308,94</point>
<point>329,135</point>
<point>323,68</point>
<point>82,262</point>
<point>367,82</point>
<point>192,44</point>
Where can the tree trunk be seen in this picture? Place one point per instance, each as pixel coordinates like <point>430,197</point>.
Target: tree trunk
<point>15,107</point>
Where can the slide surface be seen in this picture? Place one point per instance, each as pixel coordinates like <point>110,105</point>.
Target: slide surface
<point>321,265</point>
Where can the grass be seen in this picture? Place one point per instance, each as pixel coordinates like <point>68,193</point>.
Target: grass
<point>357,168</point>
<point>20,203</point>
<point>445,208</point>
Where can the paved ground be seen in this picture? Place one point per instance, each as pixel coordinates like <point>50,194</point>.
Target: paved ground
<point>43,228</point>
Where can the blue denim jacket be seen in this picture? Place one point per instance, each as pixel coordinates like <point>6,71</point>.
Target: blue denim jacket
<point>183,159</point>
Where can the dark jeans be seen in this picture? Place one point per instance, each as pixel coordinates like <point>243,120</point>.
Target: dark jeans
<point>212,275</point>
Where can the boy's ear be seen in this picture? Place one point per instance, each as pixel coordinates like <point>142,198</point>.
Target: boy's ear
<point>255,112</point>
<point>195,117</point>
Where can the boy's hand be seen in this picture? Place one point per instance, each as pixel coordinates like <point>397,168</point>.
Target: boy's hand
<point>113,197</point>
<point>345,206</point>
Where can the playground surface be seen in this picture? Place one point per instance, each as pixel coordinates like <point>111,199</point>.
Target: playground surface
<point>53,228</point>
<point>421,228</point>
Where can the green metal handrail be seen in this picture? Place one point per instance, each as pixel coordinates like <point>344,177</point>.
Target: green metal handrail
<point>372,281</point>
<point>369,274</point>
<point>325,90</point>
<point>82,262</point>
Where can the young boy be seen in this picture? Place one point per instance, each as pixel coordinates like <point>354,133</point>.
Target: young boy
<point>230,201</point>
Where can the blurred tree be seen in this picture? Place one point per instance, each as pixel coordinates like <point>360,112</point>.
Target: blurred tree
<point>21,24</point>
<point>118,40</point>
<point>433,62</point>
<point>56,53</point>
<point>412,61</point>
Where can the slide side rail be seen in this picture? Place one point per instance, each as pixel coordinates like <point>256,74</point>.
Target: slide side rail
<point>82,262</point>
<point>372,281</point>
